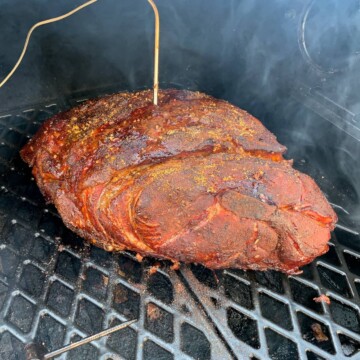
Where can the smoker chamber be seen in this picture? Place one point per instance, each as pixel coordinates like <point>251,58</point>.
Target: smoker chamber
<point>54,288</point>
<point>292,64</point>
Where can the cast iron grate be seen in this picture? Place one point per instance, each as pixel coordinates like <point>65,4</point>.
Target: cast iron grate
<point>54,288</point>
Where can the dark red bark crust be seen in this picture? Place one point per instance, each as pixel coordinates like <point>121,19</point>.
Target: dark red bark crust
<point>194,179</point>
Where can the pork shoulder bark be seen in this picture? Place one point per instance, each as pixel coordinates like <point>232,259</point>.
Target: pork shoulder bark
<point>193,179</point>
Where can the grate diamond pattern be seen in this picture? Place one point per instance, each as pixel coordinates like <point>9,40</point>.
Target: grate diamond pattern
<point>55,288</point>
<point>88,351</point>
<point>126,301</point>
<point>11,347</point>
<point>191,335</point>
<point>59,298</point>
<point>279,346</point>
<point>21,313</point>
<point>50,332</point>
<point>124,342</point>
<point>32,280</point>
<point>275,311</point>
<point>160,322</point>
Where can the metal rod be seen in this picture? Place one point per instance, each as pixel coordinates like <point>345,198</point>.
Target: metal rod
<point>156,51</point>
<point>88,339</point>
<point>345,228</point>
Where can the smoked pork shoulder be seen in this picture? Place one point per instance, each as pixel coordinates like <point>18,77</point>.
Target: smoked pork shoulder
<point>194,179</point>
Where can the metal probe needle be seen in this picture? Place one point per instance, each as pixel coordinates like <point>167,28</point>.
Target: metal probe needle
<point>156,51</point>
<point>87,340</point>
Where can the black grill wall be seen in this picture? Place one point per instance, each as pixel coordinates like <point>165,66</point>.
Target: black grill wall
<point>294,65</point>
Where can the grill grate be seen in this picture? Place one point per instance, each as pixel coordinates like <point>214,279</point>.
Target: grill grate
<point>55,288</point>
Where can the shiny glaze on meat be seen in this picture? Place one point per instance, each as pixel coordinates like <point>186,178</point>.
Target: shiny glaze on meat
<point>194,179</point>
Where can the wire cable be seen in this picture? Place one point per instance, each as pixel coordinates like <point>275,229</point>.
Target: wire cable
<point>41,23</point>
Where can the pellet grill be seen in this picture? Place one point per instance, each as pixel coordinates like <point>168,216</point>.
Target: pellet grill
<point>294,65</point>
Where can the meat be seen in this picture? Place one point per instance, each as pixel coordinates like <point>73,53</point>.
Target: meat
<point>193,179</point>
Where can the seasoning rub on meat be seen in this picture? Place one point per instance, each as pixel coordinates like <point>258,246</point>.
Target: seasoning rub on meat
<point>194,179</point>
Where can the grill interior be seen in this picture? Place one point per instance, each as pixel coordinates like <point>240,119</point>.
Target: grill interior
<point>54,288</point>
<point>294,65</point>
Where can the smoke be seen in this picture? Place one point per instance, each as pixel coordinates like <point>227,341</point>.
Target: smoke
<point>292,64</point>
